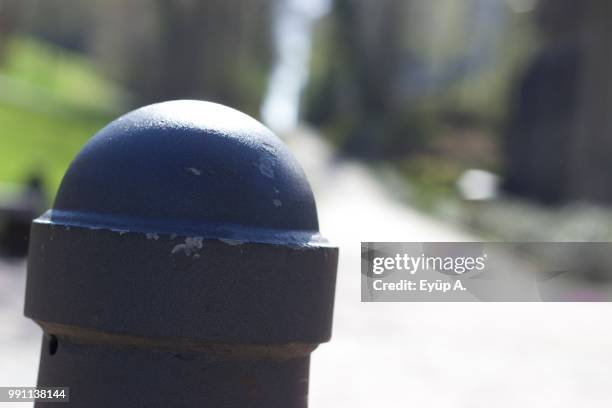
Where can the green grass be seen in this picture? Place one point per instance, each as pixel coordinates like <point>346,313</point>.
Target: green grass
<point>37,73</point>
<point>51,102</point>
<point>430,179</point>
<point>43,142</point>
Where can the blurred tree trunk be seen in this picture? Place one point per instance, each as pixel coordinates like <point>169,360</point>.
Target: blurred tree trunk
<point>544,147</point>
<point>359,88</point>
<point>591,154</point>
<point>370,33</point>
<point>216,50</point>
<point>559,145</point>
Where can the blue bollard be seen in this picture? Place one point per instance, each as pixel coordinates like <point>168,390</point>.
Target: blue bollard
<point>181,265</point>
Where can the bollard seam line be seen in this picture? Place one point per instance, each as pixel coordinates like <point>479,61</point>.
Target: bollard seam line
<point>225,351</point>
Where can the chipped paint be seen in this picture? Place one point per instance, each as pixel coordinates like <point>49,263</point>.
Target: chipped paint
<point>266,166</point>
<point>191,246</point>
<point>152,235</point>
<point>277,203</point>
<point>269,148</point>
<point>194,171</point>
<point>232,241</point>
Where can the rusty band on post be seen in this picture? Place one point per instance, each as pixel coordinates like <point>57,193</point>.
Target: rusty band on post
<point>180,265</point>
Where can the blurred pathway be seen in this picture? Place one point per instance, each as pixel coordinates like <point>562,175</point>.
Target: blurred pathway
<point>465,355</point>
<point>399,354</point>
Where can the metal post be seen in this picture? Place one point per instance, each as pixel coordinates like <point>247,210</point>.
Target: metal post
<point>181,265</point>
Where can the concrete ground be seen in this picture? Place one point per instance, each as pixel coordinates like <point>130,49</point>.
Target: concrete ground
<point>401,354</point>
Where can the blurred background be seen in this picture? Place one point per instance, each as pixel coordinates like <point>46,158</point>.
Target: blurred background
<point>415,120</point>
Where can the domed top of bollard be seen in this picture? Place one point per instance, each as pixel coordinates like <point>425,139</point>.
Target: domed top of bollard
<point>183,220</point>
<point>190,167</point>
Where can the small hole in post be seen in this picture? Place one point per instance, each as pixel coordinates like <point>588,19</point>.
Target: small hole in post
<point>52,345</point>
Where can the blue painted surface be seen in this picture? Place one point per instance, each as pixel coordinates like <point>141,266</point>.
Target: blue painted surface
<point>190,167</point>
